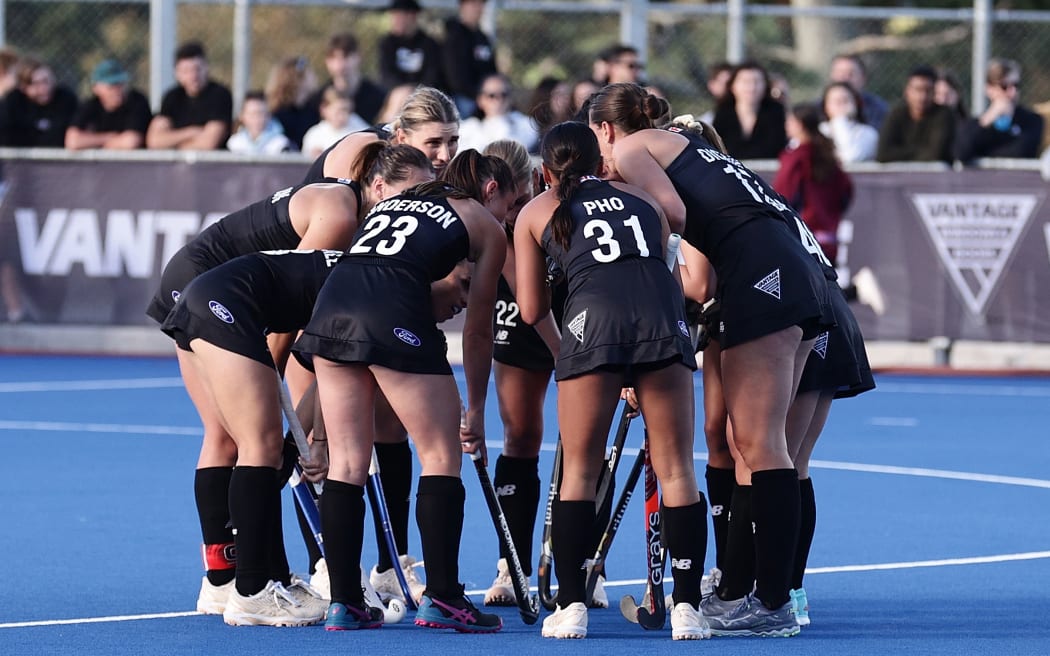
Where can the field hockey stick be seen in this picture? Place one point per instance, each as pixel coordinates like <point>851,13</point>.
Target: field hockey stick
<point>674,242</point>
<point>596,564</point>
<point>296,428</point>
<point>378,502</point>
<point>543,569</point>
<point>652,615</point>
<point>528,605</point>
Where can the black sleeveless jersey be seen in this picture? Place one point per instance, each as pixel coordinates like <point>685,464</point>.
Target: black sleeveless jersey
<point>263,225</point>
<point>720,194</point>
<point>316,171</point>
<point>416,230</point>
<point>608,225</point>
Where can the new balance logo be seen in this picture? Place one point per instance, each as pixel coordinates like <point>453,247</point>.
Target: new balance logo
<point>770,284</point>
<point>716,511</point>
<point>577,324</point>
<point>506,490</point>
<point>681,563</point>
<point>820,347</point>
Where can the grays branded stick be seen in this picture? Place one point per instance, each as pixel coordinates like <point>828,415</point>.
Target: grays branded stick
<point>650,615</point>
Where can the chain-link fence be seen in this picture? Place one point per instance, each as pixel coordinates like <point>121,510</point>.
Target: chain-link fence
<point>538,38</point>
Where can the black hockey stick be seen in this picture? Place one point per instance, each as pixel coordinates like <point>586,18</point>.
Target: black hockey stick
<point>595,565</point>
<point>528,605</point>
<point>652,615</point>
<point>543,569</point>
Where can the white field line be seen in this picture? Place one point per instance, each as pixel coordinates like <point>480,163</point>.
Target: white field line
<point>73,427</point>
<point>84,385</point>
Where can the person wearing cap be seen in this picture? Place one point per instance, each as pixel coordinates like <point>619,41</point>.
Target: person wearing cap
<point>115,117</point>
<point>407,55</point>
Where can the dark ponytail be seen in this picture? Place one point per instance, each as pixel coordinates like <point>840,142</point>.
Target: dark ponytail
<point>570,151</point>
<point>470,170</point>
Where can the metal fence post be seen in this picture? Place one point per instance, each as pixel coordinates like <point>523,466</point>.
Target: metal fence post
<point>735,39</point>
<point>162,25</point>
<point>982,38</point>
<point>634,25</point>
<point>242,50</point>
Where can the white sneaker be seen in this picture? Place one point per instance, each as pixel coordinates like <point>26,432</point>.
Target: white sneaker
<point>688,624</point>
<point>709,582</point>
<point>387,586</point>
<point>320,581</point>
<point>569,622</point>
<point>212,598</point>
<point>868,291</point>
<point>599,599</point>
<point>271,606</point>
<point>311,603</point>
<point>501,593</point>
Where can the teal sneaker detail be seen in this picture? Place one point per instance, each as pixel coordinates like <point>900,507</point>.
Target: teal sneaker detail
<point>800,606</point>
<point>459,614</point>
<point>342,617</point>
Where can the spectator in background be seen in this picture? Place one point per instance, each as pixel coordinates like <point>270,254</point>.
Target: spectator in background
<point>811,179</point>
<point>623,64</point>
<point>337,120</point>
<point>1005,128</point>
<point>750,122</point>
<point>496,118</point>
<point>259,133</point>
<point>468,55</point>
<point>855,140</point>
<point>600,68</point>
<point>289,88</point>
<point>115,117</point>
<point>851,68</point>
<point>407,55</point>
<point>9,60</point>
<point>780,89</point>
<point>550,104</point>
<point>718,75</point>
<point>196,113</point>
<point>581,91</point>
<point>948,91</point>
<point>917,129</point>
<point>39,110</point>
<point>395,100</point>
<point>343,63</point>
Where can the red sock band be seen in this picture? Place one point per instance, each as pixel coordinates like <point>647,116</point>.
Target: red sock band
<point>219,556</point>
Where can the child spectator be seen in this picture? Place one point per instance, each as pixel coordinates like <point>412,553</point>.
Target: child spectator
<point>337,120</point>
<point>259,133</point>
<point>115,117</point>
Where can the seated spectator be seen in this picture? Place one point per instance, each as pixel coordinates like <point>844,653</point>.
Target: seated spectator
<point>550,104</point>
<point>196,113</point>
<point>811,179</point>
<point>718,75</point>
<point>1005,128</point>
<point>342,60</point>
<point>623,64</point>
<point>407,55</point>
<point>468,55</point>
<point>496,118</point>
<point>780,89</point>
<point>39,110</point>
<point>290,86</point>
<point>581,91</point>
<point>750,122</point>
<point>337,120</point>
<point>9,61</point>
<point>116,117</point>
<point>259,133</point>
<point>851,69</point>
<point>948,91</point>
<point>855,140</point>
<point>917,129</point>
<point>394,101</point>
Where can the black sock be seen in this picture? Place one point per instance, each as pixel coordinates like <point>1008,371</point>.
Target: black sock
<point>211,488</point>
<point>395,473</point>
<point>343,524</point>
<point>517,483</point>
<point>571,547</point>
<point>276,554</point>
<point>439,514</point>
<point>254,500</point>
<point>720,483</point>
<point>738,573</point>
<point>807,527</point>
<point>776,508</point>
<point>685,532</point>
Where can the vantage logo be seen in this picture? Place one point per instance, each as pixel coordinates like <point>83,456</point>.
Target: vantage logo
<point>975,235</point>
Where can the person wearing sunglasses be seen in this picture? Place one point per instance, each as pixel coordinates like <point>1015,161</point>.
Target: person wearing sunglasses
<point>1005,128</point>
<point>496,118</point>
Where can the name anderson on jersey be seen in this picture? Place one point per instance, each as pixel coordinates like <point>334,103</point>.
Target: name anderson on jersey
<point>428,208</point>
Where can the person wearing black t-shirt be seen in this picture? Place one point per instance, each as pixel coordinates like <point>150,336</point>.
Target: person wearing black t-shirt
<point>468,55</point>
<point>343,62</point>
<point>407,55</point>
<point>38,111</point>
<point>197,112</point>
<point>116,116</point>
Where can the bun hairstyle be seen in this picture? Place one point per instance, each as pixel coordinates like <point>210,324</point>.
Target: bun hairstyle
<point>693,125</point>
<point>390,162</point>
<point>570,151</point>
<point>470,170</point>
<point>628,107</point>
